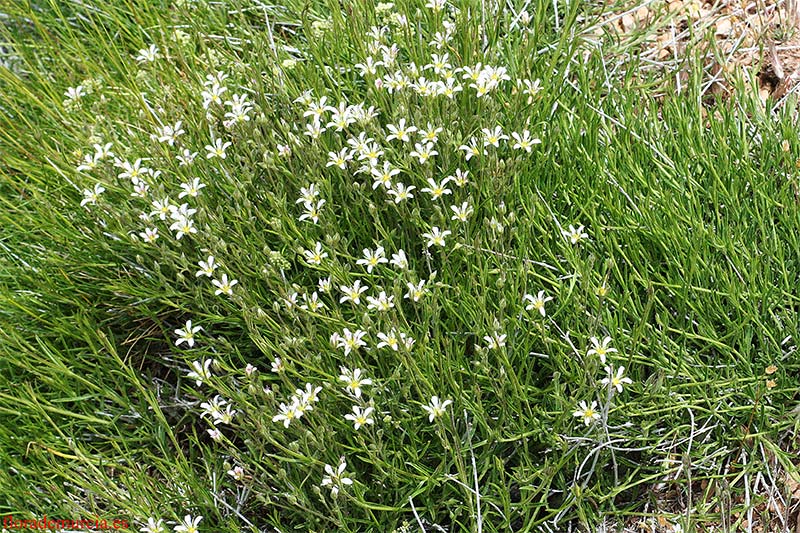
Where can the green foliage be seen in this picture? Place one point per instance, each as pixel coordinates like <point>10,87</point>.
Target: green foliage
<point>689,265</point>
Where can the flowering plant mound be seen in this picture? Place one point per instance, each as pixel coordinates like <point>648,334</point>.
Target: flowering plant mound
<point>399,267</point>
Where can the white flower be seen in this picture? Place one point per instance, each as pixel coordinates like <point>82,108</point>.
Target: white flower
<point>207,267</point>
<point>237,473</point>
<point>423,152</point>
<point>436,190</point>
<point>384,177</point>
<point>201,372</point>
<point>163,208</point>
<point>336,480</point>
<point>431,134</point>
<point>325,284</point>
<point>148,55</point>
<point>462,213</point>
<point>600,348</point>
<point>183,226</point>
<point>353,294</point>
<point>217,149</point>
<point>436,236</point>
<point>315,256</point>
<point>352,340</point>
<point>339,160</point>
<point>401,192</point>
<point>389,339</point>
<point>287,414</point>
<point>493,137</point>
<point>400,132</point>
<point>191,189</point>
<point>187,158</point>
<point>75,93</point>
<point>312,303</point>
<point>399,260</point>
<point>382,303</point>
<point>589,414</point>
<point>312,211</point>
<point>436,408</point>
<point>215,434</point>
<point>169,134</point>
<point>460,177</point>
<point>369,67</point>
<point>354,380</point>
<point>360,417</point>
<point>574,235</point>
<point>90,196</point>
<point>189,524</point>
<point>524,141</point>
<point>415,292</point>
<point>213,94</point>
<point>471,150</point>
<point>224,286</point>
<point>153,526</point>
<point>186,334</point>
<point>495,340</point>
<point>616,380</point>
<point>372,259</point>
<point>537,302</point>
<point>308,194</point>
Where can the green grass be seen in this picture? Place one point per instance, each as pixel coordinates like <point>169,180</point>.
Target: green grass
<point>690,207</point>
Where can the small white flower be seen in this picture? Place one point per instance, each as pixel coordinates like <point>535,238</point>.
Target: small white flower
<point>401,192</point>
<point>201,372</point>
<point>237,473</point>
<point>389,339</point>
<point>423,152</point>
<point>153,526</point>
<point>339,159</point>
<point>616,380</point>
<point>224,286</point>
<point>360,417</point>
<point>207,267</point>
<point>353,294</point>
<point>574,235</point>
<point>354,380</point>
<point>495,340</point>
<point>600,348</point>
<point>524,141</point>
<point>288,412</point>
<point>148,55</point>
<point>315,256</point>
<point>335,479</point>
<point>191,188</point>
<point>217,149</point>
<point>462,213</point>
<point>186,334</point>
<point>277,365</point>
<point>436,236</point>
<point>399,260</point>
<point>372,259</point>
<point>415,292</point>
<point>436,408</point>
<point>400,132</point>
<point>183,226</point>
<point>351,341</point>
<point>436,190</point>
<point>589,414</point>
<point>537,302</point>
<point>382,303</point>
<point>90,196</point>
